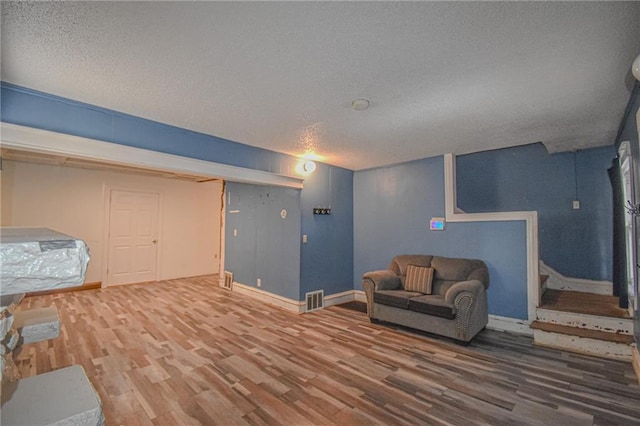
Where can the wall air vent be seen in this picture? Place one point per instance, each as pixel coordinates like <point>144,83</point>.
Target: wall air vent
<point>315,300</point>
<point>228,280</point>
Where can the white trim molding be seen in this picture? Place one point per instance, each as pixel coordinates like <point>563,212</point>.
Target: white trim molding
<point>338,298</point>
<point>498,323</point>
<point>46,142</point>
<point>512,325</point>
<point>359,296</point>
<point>297,306</point>
<point>557,281</point>
<point>453,214</point>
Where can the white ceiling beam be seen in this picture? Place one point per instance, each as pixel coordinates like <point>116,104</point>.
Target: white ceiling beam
<point>29,139</point>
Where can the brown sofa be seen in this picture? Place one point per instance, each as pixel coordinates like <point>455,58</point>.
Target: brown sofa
<point>456,307</point>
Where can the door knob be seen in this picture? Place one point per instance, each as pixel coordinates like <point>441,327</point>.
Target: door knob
<point>154,241</point>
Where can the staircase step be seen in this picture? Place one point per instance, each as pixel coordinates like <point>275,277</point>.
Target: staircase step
<point>583,303</point>
<point>592,322</point>
<point>557,281</point>
<point>583,332</point>
<point>583,345</point>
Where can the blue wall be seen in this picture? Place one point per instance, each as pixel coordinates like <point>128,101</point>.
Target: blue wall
<point>577,243</point>
<point>325,262</point>
<point>31,108</point>
<point>266,245</point>
<point>327,257</point>
<point>392,209</point>
<point>270,248</point>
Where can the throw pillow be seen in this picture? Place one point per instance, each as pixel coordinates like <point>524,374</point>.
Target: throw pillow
<point>419,278</point>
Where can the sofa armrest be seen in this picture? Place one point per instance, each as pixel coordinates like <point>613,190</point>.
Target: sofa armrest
<point>378,280</point>
<point>382,280</point>
<point>470,301</point>
<point>474,287</point>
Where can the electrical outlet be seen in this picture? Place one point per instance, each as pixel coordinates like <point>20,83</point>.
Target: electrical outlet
<point>305,239</point>
<point>235,232</point>
<point>259,282</point>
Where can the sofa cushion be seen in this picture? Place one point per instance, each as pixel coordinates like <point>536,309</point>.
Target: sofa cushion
<point>400,263</point>
<point>383,280</point>
<point>419,278</point>
<point>432,305</point>
<point>449,269</point>
<point>440,287</point>
<point>395,298</point>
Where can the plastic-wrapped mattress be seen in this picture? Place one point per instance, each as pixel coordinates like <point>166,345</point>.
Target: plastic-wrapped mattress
<point>34,259</point>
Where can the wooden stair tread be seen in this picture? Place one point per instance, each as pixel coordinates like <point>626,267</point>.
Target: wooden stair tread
<point>583,332</point>
<point>583,303</point>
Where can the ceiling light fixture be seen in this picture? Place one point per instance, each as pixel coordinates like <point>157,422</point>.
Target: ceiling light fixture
<point>360,104</point>
<point>635,68</point>
<point>309,166</point>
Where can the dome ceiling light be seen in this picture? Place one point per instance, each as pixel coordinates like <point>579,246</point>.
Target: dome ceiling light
<point>635,68</point>
<point>360,104</point>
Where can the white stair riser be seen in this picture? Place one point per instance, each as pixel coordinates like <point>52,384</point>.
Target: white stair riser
<point>598,287</point>
<point>591,322</point>
<point>557,281</point>
<point>584,345</point>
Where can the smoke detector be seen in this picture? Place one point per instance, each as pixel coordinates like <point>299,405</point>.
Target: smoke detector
<point>360,104</point>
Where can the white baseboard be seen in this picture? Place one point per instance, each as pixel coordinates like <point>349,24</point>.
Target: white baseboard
<point>557,281</point>
<point>512,325</point>
<point>496,322</point>
<point>297,306</point>
<point>338,298</point>
<point>359,296</point>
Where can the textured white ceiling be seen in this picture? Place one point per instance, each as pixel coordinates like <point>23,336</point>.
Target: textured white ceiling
<point>441,77</point>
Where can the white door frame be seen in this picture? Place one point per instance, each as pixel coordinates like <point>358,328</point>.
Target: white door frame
<point>106,195</point>
<point>627,178</point>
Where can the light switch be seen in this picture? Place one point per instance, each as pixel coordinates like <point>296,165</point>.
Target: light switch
<point>304,239</point>
<point>576,204</point>
<point>235,232</point>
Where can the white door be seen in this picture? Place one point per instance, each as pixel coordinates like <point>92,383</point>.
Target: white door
<point>133,224</point>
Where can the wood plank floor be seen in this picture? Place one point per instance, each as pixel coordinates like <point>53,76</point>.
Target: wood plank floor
<point>185,352</point>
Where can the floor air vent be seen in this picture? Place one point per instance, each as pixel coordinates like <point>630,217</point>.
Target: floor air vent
<point>315,300</point>
<point>228,280</point>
